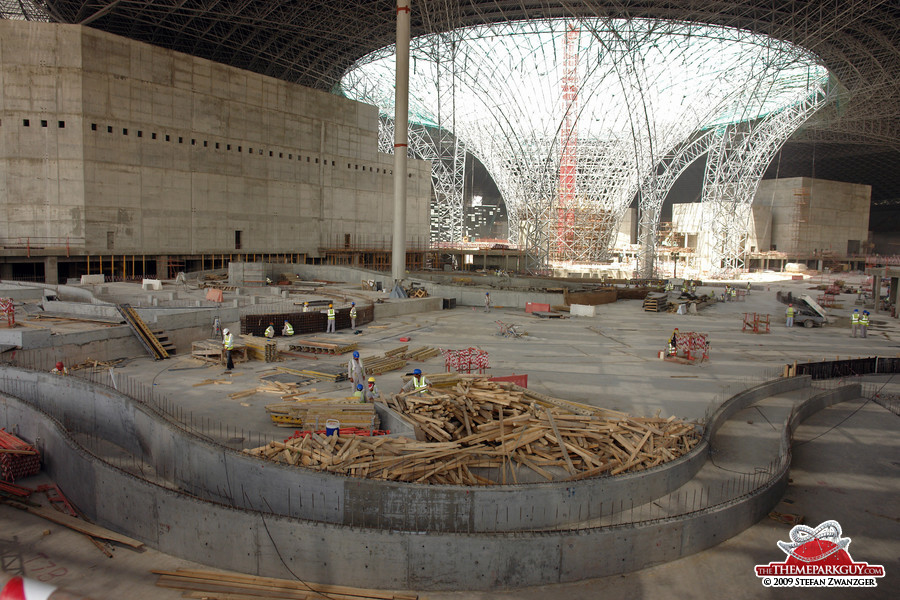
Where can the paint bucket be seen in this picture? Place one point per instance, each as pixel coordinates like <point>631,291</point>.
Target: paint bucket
<point>332,426</point>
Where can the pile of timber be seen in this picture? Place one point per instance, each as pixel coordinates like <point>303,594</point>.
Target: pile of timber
<point>656,302</point>
<point>376,365</point>
<point>321,345</point>
<point>478,427</point>
<point>311,414</point>
<point>217,585</point>
<point>421,353</point>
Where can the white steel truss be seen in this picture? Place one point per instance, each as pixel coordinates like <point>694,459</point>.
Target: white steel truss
<point>654,189</point>
<point>570,116</point>
<point>735,166</point>
<point>448,173</point>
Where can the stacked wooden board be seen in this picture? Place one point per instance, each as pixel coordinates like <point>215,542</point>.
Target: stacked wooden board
<point>478,424</point>
<point>656,302</point>
<point>318,345</point>
<point>217,585</point>
<point>311,414</point>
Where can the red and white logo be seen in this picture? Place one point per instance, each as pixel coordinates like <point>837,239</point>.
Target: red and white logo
<point>818,558</point>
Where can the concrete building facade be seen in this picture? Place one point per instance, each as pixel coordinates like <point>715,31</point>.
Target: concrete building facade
<point>118,148</point>
<point>800,218</point>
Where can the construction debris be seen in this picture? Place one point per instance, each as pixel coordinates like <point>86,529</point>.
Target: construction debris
<point>216,585</point>
<point>476,428</point>
<point>95,364</point>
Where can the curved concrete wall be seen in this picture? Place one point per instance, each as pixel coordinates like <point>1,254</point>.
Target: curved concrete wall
<point>206,470</point>
<point>256,542</point>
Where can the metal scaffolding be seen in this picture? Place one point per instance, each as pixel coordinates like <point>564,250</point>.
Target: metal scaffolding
<point>734,168</point>
<point>572,117</point>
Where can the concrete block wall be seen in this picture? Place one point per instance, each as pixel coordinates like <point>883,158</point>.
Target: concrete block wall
<point>837,212</point>
<point>41,173</point>
<point>163,153</point>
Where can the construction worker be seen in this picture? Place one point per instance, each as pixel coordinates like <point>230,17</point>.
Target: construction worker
<point>330,327</point>
<point>417,382</point>
<point>270,331</point>
<point>228,344</point>
<point>854,321</point>
<point>372,393</point>
<point>353,315</point>
<point>60,369</point>
<point>217,327</point>
<point>355,370</point>
<point>306,307</point>
<point>789,316</point>
<point>360,393</point>
<point>287,329</point>
<point>864,323</point>
<point>668,287</point>
<point>487,302</point>
<point>748,288</point>
<point>734,294</point>
<point>673,343</point>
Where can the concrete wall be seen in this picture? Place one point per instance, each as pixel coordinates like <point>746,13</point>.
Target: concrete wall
<point>257,542</point>
<point>814,214</point>
<point>199,468</point>
<point>688,218</point>
<point>149,151</point>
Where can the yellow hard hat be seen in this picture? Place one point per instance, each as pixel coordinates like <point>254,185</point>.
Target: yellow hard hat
<point>371,380</point>
<point>330,305</point>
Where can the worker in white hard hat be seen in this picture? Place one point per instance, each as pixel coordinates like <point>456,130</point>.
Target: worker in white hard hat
<point>228,344</point>
<point>353,315</point>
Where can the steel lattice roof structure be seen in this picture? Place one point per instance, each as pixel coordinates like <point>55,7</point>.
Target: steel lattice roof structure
<point>313,43</point>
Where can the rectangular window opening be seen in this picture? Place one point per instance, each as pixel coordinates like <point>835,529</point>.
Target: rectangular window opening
<point>43,122</point>
<point>237,239</point>
<point>26,123</point>
<point>61,124</point>
<point>93,127</point>
<point>124,131</point>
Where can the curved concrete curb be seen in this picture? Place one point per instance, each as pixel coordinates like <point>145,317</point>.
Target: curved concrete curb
<point>204,470</point>
<point>272,545</point>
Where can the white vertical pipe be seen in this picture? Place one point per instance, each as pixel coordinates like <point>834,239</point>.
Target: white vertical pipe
<point>401,141</point>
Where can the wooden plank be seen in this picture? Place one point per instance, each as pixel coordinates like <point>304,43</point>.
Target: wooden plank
<point>77,524</point>
<point>559,439</point>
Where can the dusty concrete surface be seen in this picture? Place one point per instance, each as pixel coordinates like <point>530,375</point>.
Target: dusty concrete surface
<point>848,473</point>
